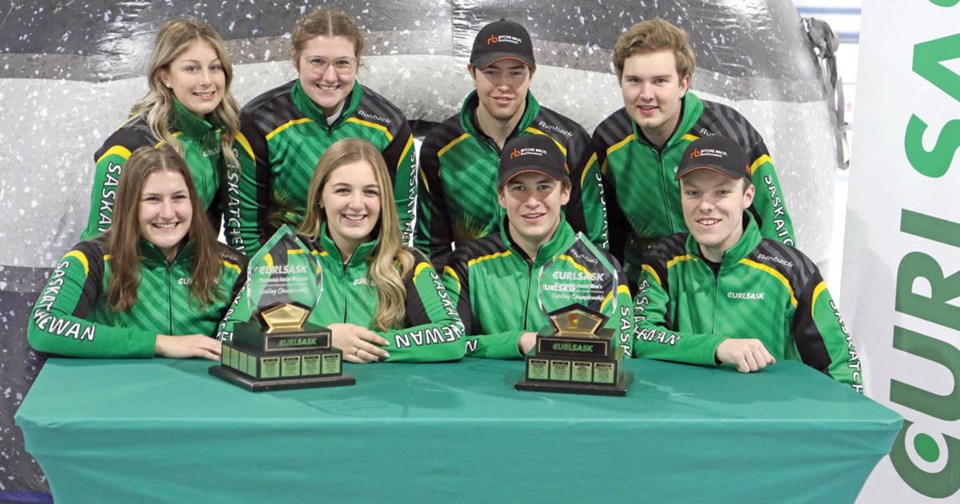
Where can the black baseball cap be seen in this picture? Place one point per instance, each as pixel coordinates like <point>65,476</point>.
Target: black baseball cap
<point>532,153</point>
<point>717,153</point>
<point>499,40</point>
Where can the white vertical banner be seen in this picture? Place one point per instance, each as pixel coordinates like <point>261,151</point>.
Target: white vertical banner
<point>901,264</point>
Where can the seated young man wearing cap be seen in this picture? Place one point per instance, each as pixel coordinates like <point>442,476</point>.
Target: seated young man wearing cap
<point>495,280</point>
<point>722,293</point>
<point>458,159</point>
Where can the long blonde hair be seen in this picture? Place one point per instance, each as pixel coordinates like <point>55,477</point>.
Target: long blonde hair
<point>123,239</point>
<point>174,38</point>
<point>389,252</point>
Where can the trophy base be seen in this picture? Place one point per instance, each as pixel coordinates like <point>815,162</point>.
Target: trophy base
<point>618,389</point>
<point>254,385</point>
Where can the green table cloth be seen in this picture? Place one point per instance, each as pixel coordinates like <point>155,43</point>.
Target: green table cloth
<point>164,430</point>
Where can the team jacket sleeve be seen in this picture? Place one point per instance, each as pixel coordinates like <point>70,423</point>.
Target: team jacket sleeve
<point>401,158</point>
<point>617,226</point>
<point>586,210</point>
<point>249,201</point>
<point>769,203</point>
<point>59,323</point>
<point>655,334</point>
<point>434,234</point>
<point>621,321</point>
<point>497,346</point>
<point>434,331</point>
<point>103,194</point>
<point>821,336</point>
<point>238,312</point>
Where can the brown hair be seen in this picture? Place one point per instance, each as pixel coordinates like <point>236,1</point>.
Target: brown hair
<point>123,239</point>
<point>651,36</point>
<point>174,38</point>
<point>326,22</point>
<point>389,252</point>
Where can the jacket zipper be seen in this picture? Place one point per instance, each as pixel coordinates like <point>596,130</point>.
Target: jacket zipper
<point>170,297</point>
<point>526,303</point>
<point>666,192</point>
<point>345,291</point>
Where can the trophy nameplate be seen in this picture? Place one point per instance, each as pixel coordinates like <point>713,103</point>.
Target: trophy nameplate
<point>278,349</point>
<point>576,354</point>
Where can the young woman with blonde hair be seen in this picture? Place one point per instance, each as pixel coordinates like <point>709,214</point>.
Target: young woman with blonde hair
<point>380,299</point>
<point>188,106</point>
<point>157,283</point>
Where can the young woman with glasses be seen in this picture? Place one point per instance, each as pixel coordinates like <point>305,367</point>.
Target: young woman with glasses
<point>286,130</point>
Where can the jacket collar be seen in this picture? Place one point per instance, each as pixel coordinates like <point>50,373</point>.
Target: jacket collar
<point>468,123</point>
<point>692,108</point>
<point>313,111</point>
<point>559,242</point>
<point>330,247</point>
<point>189,123</point>
<point>748,241</point>
<point>152,256</point>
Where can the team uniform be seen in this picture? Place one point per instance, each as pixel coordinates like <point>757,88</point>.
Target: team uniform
<point>498,293</point>
<point>763,289</point>
<point>430,331</point>
<point>283,134</point>
<point>458,167</point>
<point>200,140</point>
<point>644,199</point>
<point>73,316</point>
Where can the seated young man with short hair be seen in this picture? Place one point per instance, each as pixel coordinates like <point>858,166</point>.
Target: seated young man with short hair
<point>722,293</point>
<point>495,279</point>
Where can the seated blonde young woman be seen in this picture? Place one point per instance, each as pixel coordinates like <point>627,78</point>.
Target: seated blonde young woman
<point>381,300</point>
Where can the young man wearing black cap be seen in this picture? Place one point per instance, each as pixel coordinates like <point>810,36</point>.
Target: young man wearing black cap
<point>458,159</point>
<point>638,147</point>
<point>495,279</point>
<point>722,293</point>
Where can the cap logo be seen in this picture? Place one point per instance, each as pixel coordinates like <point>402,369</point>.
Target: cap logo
<point>715,153</point>
<point>527,151</point>
<point>509,39</point>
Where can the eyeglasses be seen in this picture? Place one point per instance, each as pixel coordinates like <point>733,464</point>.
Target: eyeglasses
<point>342,66</point>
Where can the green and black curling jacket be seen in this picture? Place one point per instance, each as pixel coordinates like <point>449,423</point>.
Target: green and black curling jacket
<point>200,140</point>
<point>644,199</point>
<point>430,331</point>
<point>72,316</point>
<point>763,289</point>
<point>498,292</point>
<point>458,179</point>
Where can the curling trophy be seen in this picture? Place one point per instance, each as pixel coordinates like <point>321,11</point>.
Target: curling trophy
<point>575,353</point>
<point>277,349</point>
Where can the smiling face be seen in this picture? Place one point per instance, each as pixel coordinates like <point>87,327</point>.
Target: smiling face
<point>328,70</point>
<point>165,211</point>
<point>713,208</point>
<point>533,202</point>
<point>653,93</point>
<point>197,78</point>
<point>350,199</point>
<point>502,89</point>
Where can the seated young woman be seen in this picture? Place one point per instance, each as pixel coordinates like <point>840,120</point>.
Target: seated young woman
<point>157,283</point>
<point>382,301</point>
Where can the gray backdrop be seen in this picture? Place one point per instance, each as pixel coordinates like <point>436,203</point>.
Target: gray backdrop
<point>69,72</point>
